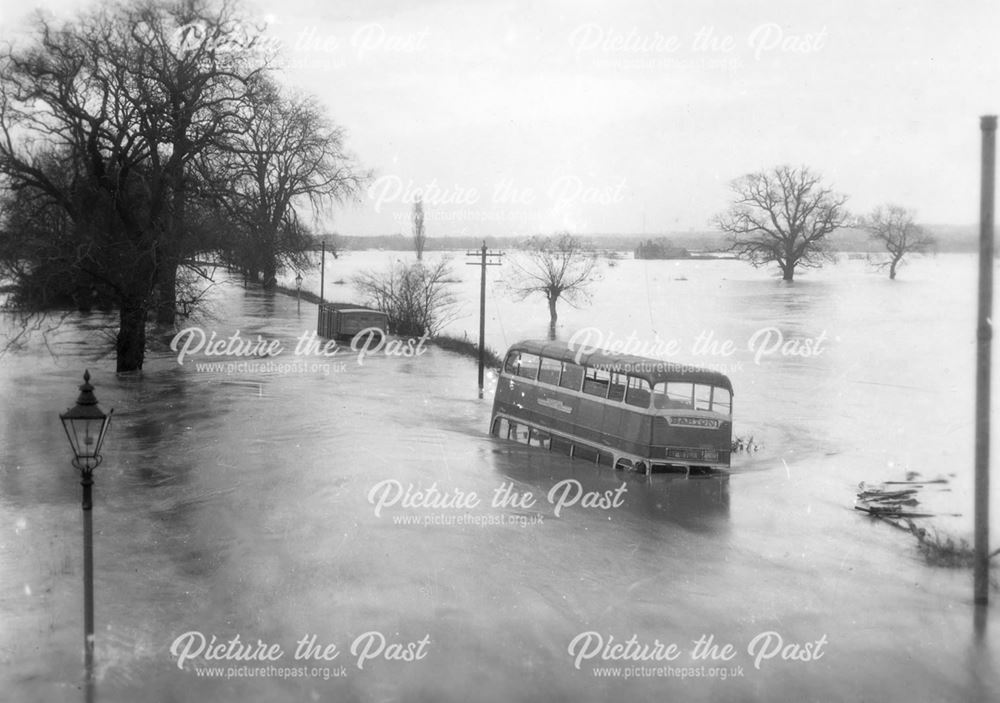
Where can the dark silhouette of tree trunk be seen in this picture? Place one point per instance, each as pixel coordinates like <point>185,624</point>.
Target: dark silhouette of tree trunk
<point>894,228</point>
<point>557,267</point>
<point>166,285</point>
<point>553,316</point>
<point>419,236</point>
<point>783,216</point>
<point>788,270</point>
<point>130,344</point>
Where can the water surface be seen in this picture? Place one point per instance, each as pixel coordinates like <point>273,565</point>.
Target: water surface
<point>239,504</point>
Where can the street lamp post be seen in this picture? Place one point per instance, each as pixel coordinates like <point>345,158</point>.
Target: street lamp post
<point>298,291</point>
<point>86,425</point>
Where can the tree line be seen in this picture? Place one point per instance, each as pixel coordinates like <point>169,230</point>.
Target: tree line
<point>143,142</point>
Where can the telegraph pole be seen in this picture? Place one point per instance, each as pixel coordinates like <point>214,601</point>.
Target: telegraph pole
<point>322,272</point>
<point>483,263</point>
<point>984,335</point>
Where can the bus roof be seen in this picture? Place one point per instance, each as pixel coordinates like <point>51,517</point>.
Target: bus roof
<point>653,370</point>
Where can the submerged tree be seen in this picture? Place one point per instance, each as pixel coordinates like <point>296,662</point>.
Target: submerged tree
<point>893,227</point>
<point>419,236</point>
<point>193,69</point>
<point>118,130</point>
<point>287,158</point>
<point>784,216</point>
<point>99,117</point>
<point>558,267</point>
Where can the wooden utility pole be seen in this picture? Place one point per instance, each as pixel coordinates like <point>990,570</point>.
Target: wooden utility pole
<point>984,335</point>
<point>482,263</point>
<point>322,272</point>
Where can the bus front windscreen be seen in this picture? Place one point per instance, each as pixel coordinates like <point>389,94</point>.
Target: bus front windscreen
<point>681,395</point>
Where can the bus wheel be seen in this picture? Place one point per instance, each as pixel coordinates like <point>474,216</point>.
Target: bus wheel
<point>640,468</point>
<point>623,465</point>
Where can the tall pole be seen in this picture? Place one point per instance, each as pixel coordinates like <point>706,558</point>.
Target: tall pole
<point>87,482</point>
<point>482,317</point>
<point>984,334</point>
<point>322,273</point>
<point>482,263</point>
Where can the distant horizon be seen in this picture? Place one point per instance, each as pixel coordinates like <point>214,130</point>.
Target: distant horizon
<point>938,228</point>
<point>950,239</point>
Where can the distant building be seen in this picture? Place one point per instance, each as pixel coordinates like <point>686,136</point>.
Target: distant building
<point>660,249</point>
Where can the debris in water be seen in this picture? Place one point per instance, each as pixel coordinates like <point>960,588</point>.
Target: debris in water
<point>881,501</point>
<point>745,444</point>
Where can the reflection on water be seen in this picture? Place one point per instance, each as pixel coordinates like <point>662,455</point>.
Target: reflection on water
<point>699,503</point>
<point>239,504</point>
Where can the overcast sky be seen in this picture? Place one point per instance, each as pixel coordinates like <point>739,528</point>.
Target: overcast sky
<point>629,117</point>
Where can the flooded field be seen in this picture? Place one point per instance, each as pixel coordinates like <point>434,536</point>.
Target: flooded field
<point>355,518</point>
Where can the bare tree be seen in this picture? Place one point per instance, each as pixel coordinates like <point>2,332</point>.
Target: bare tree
<point>120,120</point>
<point>100,117</point>
<point>419,237</point>
<point>288,157</point>
<point>894,228</point>
<point>784,216</point>
<point>417,298</point>
<point>558,267</point>
<point>189,85</point>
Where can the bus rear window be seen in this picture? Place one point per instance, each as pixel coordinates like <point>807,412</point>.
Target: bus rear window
<point>702,397</point>
<point>674,395</point>
<point>722,400</point>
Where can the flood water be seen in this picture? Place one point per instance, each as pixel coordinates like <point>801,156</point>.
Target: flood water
<point>245,501</point>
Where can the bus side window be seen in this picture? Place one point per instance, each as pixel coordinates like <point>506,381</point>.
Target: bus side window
<point>572,376</point>
<point>539,439</point>
<point>549,371</point>
<point>596,382</point>
<point>638,392</point>
<point>520,433</point>
<point>563,446</point>
<point>616,391</point>
<point>529,366</point>
<point>513,362</point>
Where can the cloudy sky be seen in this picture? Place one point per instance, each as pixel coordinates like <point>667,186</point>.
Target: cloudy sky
<point>633,116</point>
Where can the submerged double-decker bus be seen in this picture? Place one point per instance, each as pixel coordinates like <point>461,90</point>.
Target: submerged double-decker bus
<point>619,410</point>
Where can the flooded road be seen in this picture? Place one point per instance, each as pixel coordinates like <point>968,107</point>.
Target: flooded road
<point>318,503</point>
